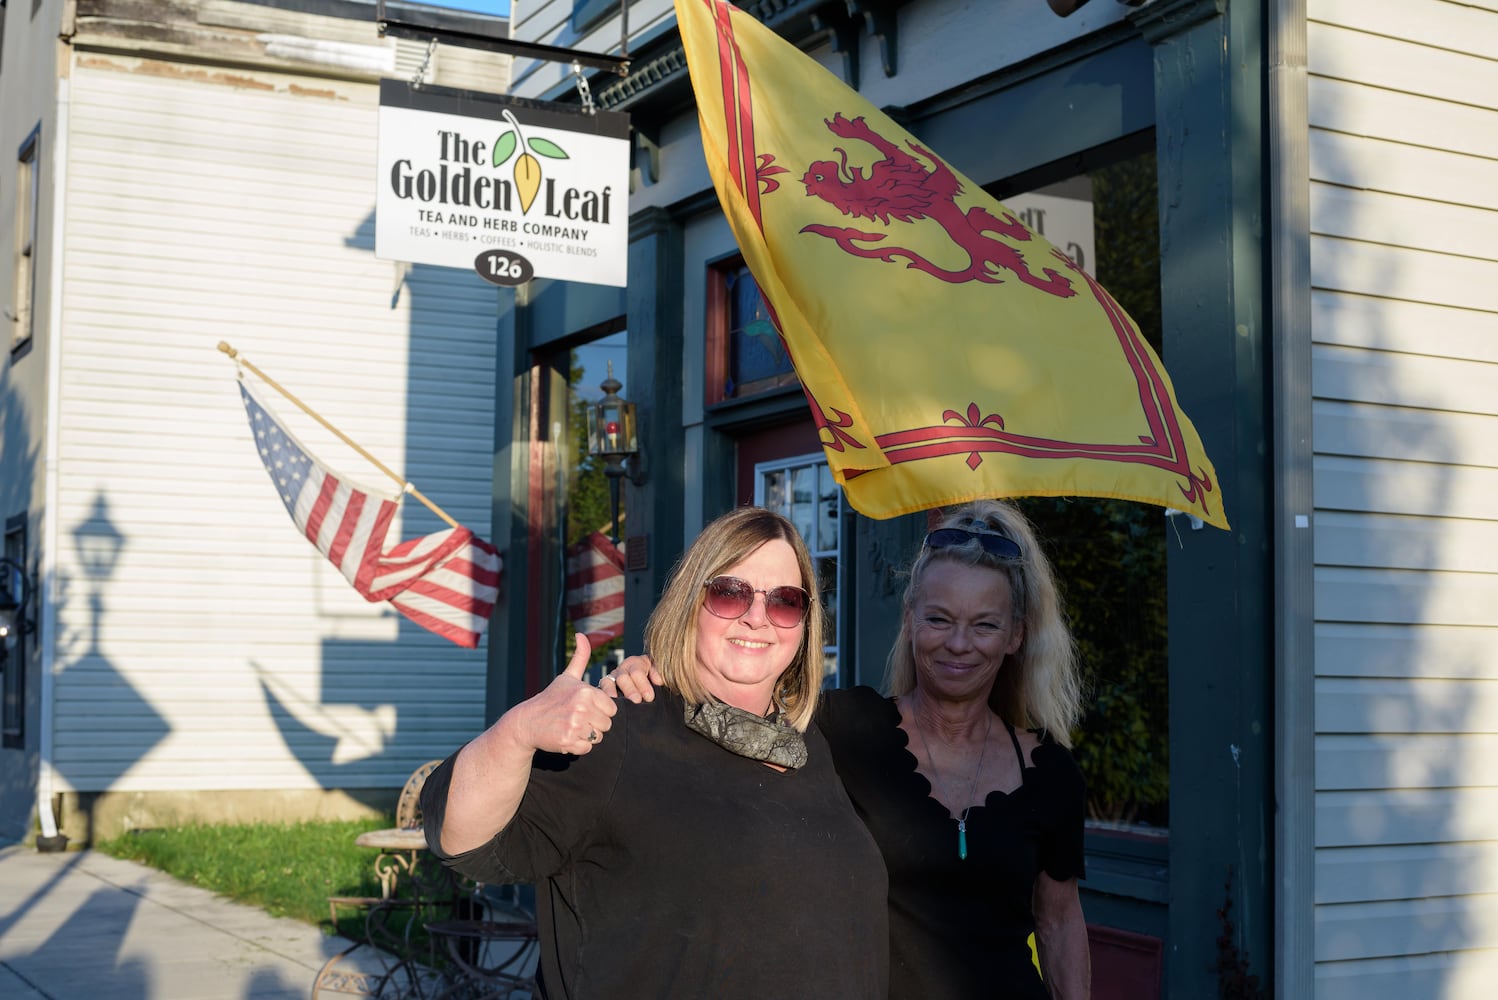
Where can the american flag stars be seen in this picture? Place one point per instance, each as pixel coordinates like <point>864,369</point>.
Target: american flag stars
<point>445,582</point>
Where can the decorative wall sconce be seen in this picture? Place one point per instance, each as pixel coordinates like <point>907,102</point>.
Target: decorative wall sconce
<point>613,437</point>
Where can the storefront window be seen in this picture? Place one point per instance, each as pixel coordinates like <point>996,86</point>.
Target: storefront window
<point>1110,554</point>
<point>745,355</point>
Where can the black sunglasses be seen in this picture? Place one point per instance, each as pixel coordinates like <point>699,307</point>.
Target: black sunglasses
<point>993,543</point>
<point>729,597</point>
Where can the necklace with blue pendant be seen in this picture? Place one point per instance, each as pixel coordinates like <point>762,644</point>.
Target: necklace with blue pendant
<point>942,786</point>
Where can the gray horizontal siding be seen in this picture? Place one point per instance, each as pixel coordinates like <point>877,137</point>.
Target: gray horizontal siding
<point>1403,101</point>
<point>221,651</point>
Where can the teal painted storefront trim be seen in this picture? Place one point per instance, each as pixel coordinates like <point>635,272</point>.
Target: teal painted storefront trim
<point>1210,149</point>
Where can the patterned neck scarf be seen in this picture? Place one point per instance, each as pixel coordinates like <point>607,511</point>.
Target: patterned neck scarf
<point>770,739</point>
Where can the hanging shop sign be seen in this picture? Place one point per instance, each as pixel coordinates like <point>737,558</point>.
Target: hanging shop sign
<point>513,188</point>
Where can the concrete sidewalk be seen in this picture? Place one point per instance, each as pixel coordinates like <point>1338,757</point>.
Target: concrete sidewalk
<point>85,926</point>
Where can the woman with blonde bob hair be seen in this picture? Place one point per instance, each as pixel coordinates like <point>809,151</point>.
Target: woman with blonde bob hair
<point>671,633</point>
<point>660,834</point>
<point>961,772</point>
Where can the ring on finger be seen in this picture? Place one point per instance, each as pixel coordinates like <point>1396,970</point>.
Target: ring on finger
<point>592,736</point>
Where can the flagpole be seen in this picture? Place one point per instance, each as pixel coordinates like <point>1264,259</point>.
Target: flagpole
<point>405,486</point>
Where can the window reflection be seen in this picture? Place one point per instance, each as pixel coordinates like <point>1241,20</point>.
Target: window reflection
<point>804,490</point>
<point>1109,555</point>
<point>594,571</point>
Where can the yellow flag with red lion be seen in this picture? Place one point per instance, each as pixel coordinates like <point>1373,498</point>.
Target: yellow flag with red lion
<point>948,353</point>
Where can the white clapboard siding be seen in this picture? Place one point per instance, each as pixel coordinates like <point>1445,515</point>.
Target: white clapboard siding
<point>1406,597</point>
<point>220,651</point>
<point>1356,649</point>
<point>1405,380</point>
<point>1406,705</point>
<point>1405,816</point>
<point>1395,487</point>
<point>1444,975</point>
<point>1346,931</point>
<point>1404,871</point>
<point>1379,164</point>
<point>1411,119</point>
<point>1403,326</point>
<point>1403,432</point>
<point>1408,760</point>
<point>1395,542</point>
<point>1403,101</point>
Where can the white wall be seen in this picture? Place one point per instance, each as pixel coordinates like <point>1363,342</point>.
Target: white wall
<point>221,651</point>
<point>1404,258</point>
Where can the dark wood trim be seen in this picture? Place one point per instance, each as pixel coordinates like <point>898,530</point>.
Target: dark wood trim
<point>715,332</point>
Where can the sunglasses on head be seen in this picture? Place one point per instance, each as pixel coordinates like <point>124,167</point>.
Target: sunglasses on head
<point>993,543</point>
<point>729,597</point>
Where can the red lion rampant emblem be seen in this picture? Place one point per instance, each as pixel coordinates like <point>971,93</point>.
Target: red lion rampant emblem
<point>900,187</point>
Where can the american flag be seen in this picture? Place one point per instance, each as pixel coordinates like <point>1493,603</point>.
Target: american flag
<point>595,588</point>
<point>445,582</point>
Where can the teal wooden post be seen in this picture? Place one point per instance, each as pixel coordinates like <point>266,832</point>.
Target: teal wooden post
<point>505,643</point>
<point>655,357</point>
<point>1210,146</point>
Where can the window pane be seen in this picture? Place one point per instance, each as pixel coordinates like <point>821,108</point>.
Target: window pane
<point>24,275</point>
<point>804,490</point>
<point>757,361</point>
<point>828,497</point>
<point>827,590</point>
<point>803,502</point>
<point>774,486</point>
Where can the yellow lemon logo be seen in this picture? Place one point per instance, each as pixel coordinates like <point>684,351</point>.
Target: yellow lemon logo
<point>527,170</point>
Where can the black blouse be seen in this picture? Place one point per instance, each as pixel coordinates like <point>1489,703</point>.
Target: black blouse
<point>666,866</point>
<point>958,928</point>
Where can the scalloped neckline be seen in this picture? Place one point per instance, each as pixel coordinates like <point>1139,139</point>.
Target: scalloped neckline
<point>902,744</point>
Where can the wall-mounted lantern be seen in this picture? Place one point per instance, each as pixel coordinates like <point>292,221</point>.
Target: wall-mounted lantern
<point>613,437</point>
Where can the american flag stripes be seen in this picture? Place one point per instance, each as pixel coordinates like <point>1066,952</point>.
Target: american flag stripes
<point>445,582</point>
<point>595,588</point>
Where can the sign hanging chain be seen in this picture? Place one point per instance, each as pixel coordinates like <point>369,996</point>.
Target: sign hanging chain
<point>583,90</point>
<point>426,62</point>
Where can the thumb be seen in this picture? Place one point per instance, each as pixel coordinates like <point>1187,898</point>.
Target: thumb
<point>579,662</point>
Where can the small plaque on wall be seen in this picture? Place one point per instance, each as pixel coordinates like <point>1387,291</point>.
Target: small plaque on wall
<point>637,553</point>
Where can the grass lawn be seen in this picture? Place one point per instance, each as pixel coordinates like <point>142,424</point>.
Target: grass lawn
<point>286,869</point>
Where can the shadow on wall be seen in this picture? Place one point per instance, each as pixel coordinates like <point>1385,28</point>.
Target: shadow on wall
<point>1402,774</point>
<point>384,707</point>
<point>103,709</point>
